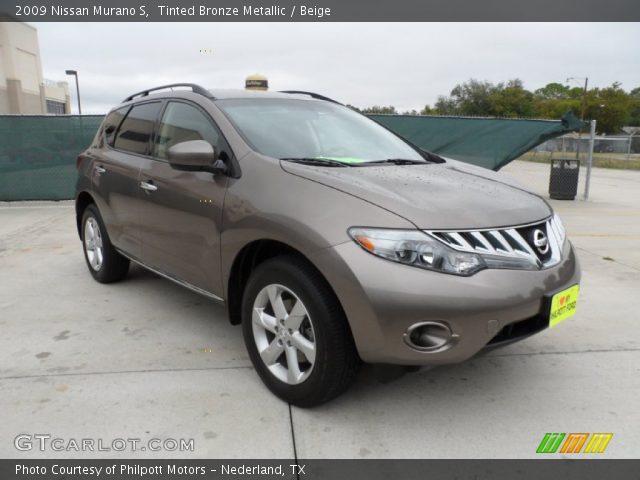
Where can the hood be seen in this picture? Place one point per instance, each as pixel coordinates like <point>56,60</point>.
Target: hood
<point>451,195</point>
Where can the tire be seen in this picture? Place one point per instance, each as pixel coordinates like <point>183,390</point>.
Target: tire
<point>312,317</point>
<point>105,264</point>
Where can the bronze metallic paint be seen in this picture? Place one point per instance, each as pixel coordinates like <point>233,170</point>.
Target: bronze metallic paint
<point>195,225</point>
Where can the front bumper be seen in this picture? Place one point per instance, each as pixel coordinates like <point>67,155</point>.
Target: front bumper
<point>382,299</point>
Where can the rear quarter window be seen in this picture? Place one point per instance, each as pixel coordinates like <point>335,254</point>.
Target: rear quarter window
<point>135,130</point>
<point>111,124</point>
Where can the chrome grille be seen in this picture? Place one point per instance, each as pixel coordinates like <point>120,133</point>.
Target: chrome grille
<point>509,242</point>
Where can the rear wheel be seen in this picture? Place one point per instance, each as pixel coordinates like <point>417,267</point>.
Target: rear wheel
<point>105,264</point>
<point>296,333</point>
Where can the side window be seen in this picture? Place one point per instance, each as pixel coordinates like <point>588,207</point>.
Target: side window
<point>181,123</point>
<point>111,124</point>
<point>136,129</point>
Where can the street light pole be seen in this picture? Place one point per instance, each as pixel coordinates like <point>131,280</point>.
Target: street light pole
<point>75,74</point>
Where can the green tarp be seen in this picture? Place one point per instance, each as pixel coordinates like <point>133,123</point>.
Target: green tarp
<point>38,153</point>
<point>486,142</point>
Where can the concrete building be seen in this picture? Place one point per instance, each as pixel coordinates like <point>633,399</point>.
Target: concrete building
<point>23,90</point>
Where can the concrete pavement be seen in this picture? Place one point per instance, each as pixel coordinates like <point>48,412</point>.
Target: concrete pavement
<point>146,358</point>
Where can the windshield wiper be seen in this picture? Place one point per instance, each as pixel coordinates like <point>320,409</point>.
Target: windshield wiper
<point>394,161</point>
<point>321,162</point>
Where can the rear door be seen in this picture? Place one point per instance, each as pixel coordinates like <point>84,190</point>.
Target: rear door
<point>182,210</point>
<point>126,144</point>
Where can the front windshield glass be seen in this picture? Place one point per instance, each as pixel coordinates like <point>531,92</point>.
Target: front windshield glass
<point>302,129</point>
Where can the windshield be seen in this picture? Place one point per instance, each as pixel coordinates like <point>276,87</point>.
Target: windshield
<point>302,129</point>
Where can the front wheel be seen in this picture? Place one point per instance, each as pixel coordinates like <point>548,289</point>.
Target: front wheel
<point>296,333</point>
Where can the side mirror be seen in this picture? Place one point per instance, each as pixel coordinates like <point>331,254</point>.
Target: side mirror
<point>195,155</point>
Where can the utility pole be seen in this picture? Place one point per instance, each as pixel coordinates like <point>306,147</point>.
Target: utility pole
<point>584,98</point>
<point>583,111</point>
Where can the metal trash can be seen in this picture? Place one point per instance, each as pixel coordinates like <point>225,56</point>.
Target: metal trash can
<point>563,182</point>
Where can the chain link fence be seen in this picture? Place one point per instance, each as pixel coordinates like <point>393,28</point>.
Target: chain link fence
<point>619,151</point>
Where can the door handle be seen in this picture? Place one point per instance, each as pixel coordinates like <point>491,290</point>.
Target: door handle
<point>149,187</point>
<point>100,170</point>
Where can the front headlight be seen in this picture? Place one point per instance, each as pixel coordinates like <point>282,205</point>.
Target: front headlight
<point>415,248</point>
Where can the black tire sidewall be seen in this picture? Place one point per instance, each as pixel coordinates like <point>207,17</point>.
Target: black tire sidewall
<point>111,267</point>
<point>297,280</point>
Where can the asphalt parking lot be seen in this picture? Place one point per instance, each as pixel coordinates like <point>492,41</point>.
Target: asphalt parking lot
<point>146,358</point>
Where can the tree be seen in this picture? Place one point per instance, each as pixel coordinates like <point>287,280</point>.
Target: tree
<point>446,106</point>
<point>512,100</point>
<point>473,97</point>
<point>427,110</point>
<point>376,109</point>
<point>485,99</point>
<point>553,91</point>
<point>633,119</point>
<point>554,100</point>
<point>610,106</point>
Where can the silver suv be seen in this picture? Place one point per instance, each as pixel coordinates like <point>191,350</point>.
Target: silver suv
<point>329,238</point>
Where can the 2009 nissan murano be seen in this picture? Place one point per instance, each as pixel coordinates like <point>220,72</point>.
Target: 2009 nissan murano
<point>329,238</point>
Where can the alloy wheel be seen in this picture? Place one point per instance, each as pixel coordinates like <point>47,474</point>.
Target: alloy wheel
<point>93,243</point>
<point>283,333</point>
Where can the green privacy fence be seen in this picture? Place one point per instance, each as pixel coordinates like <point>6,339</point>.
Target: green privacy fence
<point>486,142</point>
<point>38,153</point>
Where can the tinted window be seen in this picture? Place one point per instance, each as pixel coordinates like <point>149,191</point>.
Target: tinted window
<point>136,129</point>
<point>111,124</point>
<point>181,123</point>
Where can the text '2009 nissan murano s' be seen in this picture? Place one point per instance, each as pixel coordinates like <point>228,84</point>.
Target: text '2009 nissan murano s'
<point>330,239</point>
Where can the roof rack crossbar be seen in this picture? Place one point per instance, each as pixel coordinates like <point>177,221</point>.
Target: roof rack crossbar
<point>311,94</point>
<point>194,88</point>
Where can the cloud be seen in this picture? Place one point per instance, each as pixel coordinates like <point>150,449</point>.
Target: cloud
<point>403,64</point>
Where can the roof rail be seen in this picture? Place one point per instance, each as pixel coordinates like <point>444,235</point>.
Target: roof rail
<point>194,88</point>
<point>312,95</point>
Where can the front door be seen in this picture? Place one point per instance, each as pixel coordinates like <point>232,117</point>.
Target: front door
<point>182,210</point>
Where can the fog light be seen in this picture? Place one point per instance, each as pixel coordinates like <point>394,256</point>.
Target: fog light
<point>429,336</point>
